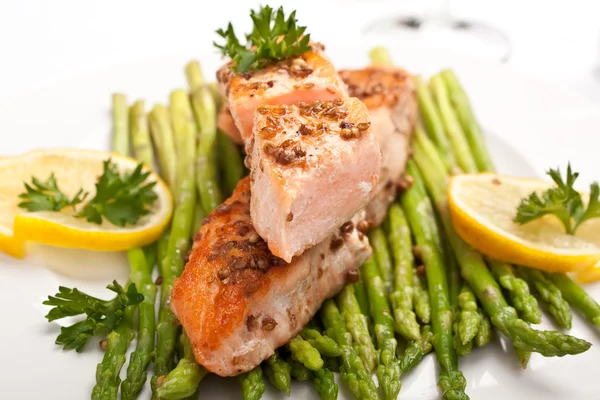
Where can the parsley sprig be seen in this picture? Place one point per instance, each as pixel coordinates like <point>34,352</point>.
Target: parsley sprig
<point>121,199</point>
<point>562,201</point>
<point>102,316</point>
<point>273,37</point>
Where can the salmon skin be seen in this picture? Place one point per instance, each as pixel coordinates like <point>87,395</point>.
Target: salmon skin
<point>307,77</point>
<point>238,303</point>
<point>313,166</point>
<point>389,94</point>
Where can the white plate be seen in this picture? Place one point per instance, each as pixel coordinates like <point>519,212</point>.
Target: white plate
<point>531,128</point>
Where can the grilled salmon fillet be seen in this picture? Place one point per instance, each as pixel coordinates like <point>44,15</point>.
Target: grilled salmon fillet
<point>307,77</point>
<point>313,166</point>
<point>389,94</point>
<point>226,124</point>
<point>238,303</point>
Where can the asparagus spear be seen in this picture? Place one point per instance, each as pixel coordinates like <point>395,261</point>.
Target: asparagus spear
<point>550,295</point>
<point>476,273</point>
<point>360,292</point>
<point>177,248</point>
<point>452,127</point>
<point>381,254</point>
<point>356,324</point>
<point>184,379</point>
<point>380,56</point>
<point>433,122</point>
<point>421,298</point>
<point>324,344</point>
<point>421,218</point>
<point>577,297</point>
<point>523,357</point>
<point>402,297</point>
<point>140,136</point>
<point>162,135</point>
<point>416,350</point>
<point>107,372</point>
<point>120,124</point>
<point>304,352</point>
<point>518,291</point>
<point>299,370</point>
<point>469,124</point>
<point>278,371</point>
<point>230,162</point>
<point>469,320</point>
<point>354,374</point>
<point>184,129</point>
<point>484,333</point>
<point>325,385</point>
<point>388,371</point>
<point>205,113</point>
<point>461,349</point>
<point>142,355</point>
<point>253,385</point>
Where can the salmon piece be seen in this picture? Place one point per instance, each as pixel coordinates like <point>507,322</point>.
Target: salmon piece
<point>313,166</point>
<point>389,94</point>
<point>238,302</point>
<point>226,124</point>
<point>306,77</point>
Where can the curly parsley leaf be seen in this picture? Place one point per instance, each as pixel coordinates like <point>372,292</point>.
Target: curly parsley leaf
<point>562,201</point>
<point>46,196</point>
<point>120,199</point>
<point>273,37</point>
<point>102,316</point>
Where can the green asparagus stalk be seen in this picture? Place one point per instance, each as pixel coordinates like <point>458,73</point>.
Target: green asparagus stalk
<point>253,385</point>
<point>304,352</point>
<point>184,379</point>
<point>324,344</point>
<point>518,291</point>
<point>356,324</point>
<point>421,218</point>
<point>360,292</point>
<point>142,355</point>
<point>332,364</point>
<point>354,374</point>
<point>298,370</point>
<point>402,297</point>
<point>380,56</point>
<point>577,297</point>
<point>461,349</point>
<point>184,129</point>
<point>205,113</point>
<point>230,162</point>
<point>381,253</point>
<point>452,127</point>
<point>218,96</point>
<point>324,382</point>
<point>278,372</point>
<point>469,319</point>
<point>388,370</point>
<point>484,333</point>
<point>162,135</point>
<point>469,124</point>
<point>416,350</point>
<point>550,295</point>
<point>433,122</point>
<point>120,124</point>
<point>140,135</point>
<point>177,248</point>
<point>107,372</point>
<point>523,357</point>
<point>476,273</point>
<point>421,299</point>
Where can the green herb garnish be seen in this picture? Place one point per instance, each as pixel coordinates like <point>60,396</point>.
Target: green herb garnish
<point>120,199</point>
<point>273,37</point>
<point>562,201</point>
<point>102,316</point>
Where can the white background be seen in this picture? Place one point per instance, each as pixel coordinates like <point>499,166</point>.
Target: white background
<point>43,41</point>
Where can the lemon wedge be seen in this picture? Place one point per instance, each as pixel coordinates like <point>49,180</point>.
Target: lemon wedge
<point>73,169</point>
<point>483,207</point>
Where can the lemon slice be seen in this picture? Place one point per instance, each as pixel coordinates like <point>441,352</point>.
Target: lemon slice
<point>483,207</point>
<point>73,169</point>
